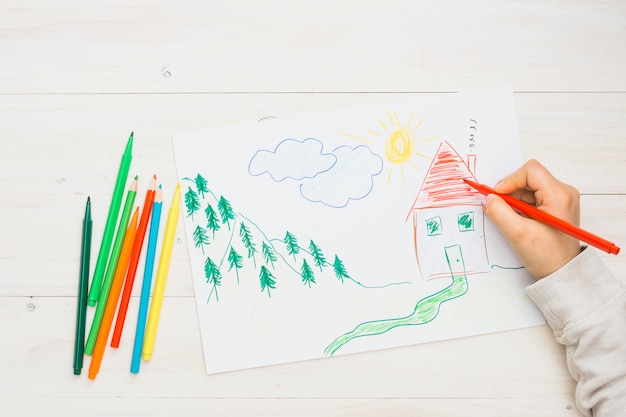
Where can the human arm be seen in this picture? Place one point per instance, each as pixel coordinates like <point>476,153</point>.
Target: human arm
<point>584,304</point>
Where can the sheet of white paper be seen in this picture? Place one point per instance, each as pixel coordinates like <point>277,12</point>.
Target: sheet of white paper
<point>351,230</point>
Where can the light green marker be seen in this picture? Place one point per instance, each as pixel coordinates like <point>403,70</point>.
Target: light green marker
<point>114,211</point>
<point>110,272</point>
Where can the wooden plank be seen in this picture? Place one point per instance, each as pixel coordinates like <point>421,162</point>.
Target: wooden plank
<point>281,407</point>
<point>38,363</point>
<point>321,46</point>
<point>577,136</point>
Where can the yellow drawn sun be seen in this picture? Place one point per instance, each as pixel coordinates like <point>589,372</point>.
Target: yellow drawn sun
<point>399,140</point>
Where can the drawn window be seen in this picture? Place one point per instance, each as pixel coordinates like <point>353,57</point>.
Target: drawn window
<point>466,221</point>
<point>433,226</point>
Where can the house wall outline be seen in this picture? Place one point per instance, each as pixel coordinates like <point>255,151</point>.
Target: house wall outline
<point>445,195</point>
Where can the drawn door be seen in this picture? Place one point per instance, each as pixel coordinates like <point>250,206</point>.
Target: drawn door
<point>454,256</point>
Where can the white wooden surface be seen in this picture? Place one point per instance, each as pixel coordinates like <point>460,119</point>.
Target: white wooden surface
<point>77,77</point>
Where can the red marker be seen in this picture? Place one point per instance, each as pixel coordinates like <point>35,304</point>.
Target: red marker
<point>549,219</point>
<point>133,263</point>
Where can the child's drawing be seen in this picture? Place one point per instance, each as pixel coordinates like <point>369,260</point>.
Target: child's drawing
<point>230,241</point>
<point>399,139</point>
<point>331,178</point>
<point>447,220</point>
<point>301,249</point>
<point>426,309</point>
<point>447,211</point>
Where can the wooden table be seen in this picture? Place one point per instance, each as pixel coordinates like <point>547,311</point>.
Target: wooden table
<point>77,77</point>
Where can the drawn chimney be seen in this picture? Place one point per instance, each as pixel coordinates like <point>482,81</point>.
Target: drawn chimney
<point>471,163</point>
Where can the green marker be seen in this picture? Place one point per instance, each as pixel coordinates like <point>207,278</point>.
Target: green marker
<point>81,311</point>
<point>108,278</point>
<point>114,210</point>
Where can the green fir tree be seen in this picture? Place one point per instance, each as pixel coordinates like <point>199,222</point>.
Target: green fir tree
<point>226,211</point>
<point>201,185</point>
<point>213,276</point>
<point>212,272</point>
<point>318,255</point>
<point>246,239</point>
<point>268,254</point>
<point>292,244</point>
<point>267,280</point>
<point>200,238</point>
<point>213,221</point>
<point>192,202</point>
<point>235,261</point>
<point>307,274</point>
<point>340,269</point>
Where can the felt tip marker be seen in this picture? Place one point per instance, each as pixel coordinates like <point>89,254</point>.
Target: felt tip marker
<point>550,220</point>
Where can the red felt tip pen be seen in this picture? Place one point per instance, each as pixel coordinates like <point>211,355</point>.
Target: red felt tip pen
<point>549,219</point>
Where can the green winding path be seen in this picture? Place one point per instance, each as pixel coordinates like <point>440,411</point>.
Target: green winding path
<point>425,311</point>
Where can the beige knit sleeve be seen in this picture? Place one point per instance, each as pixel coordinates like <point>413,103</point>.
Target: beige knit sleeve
<point>585,305</point>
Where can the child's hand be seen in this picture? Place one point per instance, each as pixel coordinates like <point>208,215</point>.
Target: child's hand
<point>541,248</point>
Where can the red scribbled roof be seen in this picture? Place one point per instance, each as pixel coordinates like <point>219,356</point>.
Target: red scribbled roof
<point>443,184</point>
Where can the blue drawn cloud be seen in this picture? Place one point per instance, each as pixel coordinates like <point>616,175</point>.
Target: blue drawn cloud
<point>292,159</point>
<point>350,178</point>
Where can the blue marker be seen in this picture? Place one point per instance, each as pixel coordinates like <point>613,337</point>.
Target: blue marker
<point>147,281</point>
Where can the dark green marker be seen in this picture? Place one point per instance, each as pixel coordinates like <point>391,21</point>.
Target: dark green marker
<point>81,312</point>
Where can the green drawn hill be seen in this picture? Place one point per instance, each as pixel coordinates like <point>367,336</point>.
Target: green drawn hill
<point>249,248</point>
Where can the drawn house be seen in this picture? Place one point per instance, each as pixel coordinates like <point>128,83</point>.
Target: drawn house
<point>448,213</point>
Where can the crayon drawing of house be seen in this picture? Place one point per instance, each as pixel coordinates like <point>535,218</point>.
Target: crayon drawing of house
<point>447,212</point>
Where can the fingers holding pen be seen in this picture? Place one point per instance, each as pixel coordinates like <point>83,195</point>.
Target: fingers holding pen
<point>531,239</point>
<point>534,184</point>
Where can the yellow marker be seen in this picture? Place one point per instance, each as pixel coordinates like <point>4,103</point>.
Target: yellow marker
<point>161,276</point>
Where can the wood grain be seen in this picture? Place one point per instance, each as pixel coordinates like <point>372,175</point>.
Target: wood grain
<point>322,46</point>
<point>77,77</point>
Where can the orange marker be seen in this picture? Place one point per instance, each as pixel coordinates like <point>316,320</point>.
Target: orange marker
<point>134,261</point>
<point>114,295</point>
<point>550,220</point>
